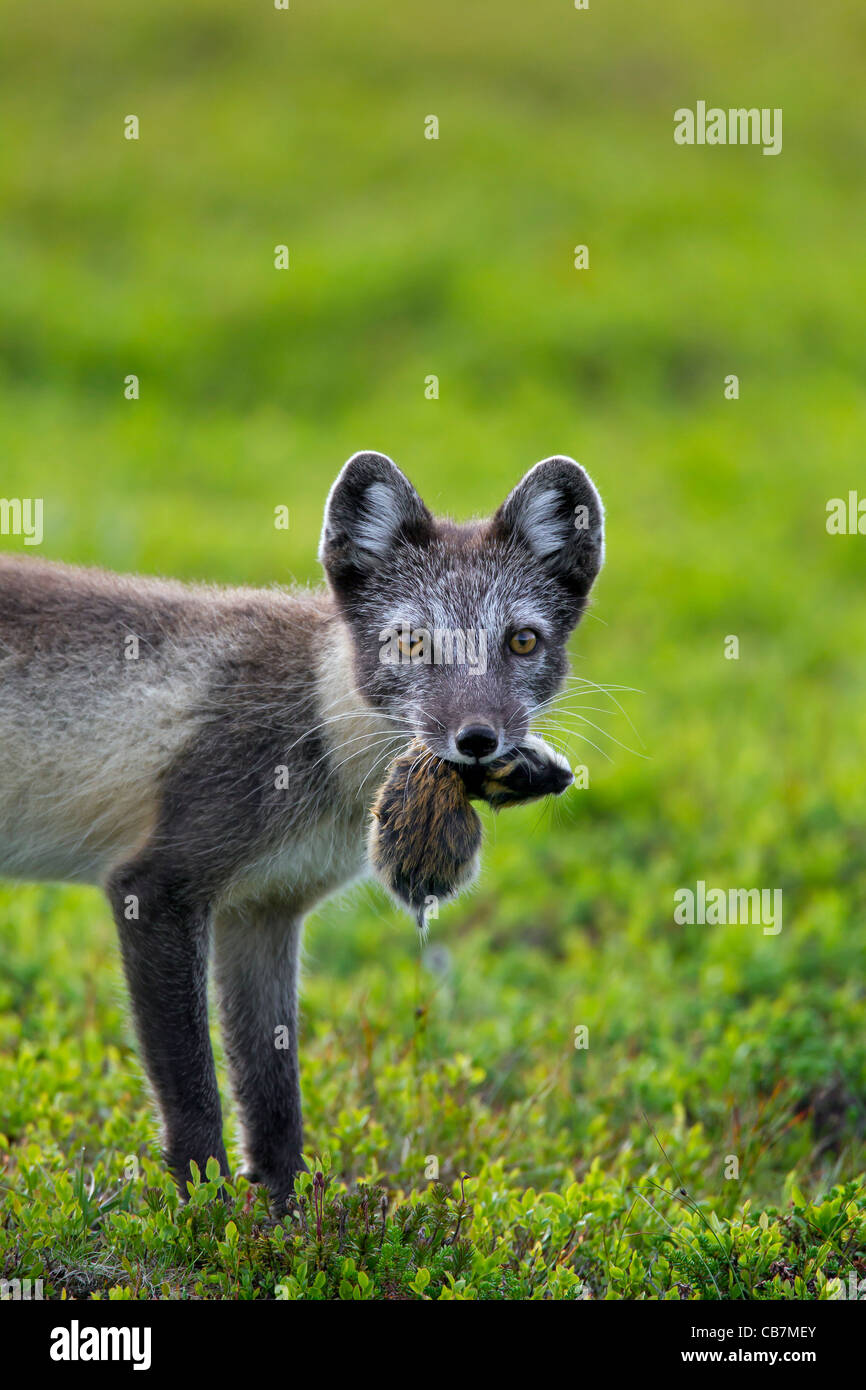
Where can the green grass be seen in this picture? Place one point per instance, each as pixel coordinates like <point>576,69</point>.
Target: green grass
<point>411,257</point>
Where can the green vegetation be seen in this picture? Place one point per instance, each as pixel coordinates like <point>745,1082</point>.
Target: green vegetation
<point>591,1172</point>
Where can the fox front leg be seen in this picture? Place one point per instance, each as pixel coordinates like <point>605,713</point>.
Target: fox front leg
<point>257,945</point>
<point>164,934</point>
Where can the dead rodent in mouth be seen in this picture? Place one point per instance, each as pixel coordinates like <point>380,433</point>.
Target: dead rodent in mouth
<point>424,833</point>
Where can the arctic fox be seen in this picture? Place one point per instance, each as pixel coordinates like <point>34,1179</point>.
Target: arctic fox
<point>208,756</point>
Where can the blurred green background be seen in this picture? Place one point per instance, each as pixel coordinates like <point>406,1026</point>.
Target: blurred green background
<point>411,257</point>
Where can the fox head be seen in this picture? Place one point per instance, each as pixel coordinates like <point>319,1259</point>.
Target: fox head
<point>459,632</point>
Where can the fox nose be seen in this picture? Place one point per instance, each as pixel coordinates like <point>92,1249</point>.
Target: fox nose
<point>477,740</point>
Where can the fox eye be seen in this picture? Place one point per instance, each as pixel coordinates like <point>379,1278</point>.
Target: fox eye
<point>522,641</point>
<point>411,645</point>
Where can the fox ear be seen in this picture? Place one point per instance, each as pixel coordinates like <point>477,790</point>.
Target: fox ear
<point>556,512</point>
<point>371,507</point>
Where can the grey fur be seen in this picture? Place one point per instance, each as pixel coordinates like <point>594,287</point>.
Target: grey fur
<point>218,784</point>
